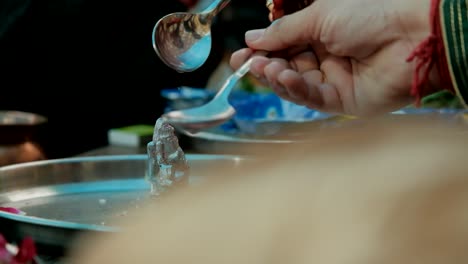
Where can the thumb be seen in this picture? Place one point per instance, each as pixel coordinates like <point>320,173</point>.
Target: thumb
<point>291,30</point>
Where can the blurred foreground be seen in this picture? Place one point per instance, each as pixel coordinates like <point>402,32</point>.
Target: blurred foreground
<point>385,192</point>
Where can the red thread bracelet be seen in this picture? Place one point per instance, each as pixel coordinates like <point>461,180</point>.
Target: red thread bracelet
<point>429,53</point>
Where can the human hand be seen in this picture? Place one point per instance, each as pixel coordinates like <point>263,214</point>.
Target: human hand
<point>342,56</point>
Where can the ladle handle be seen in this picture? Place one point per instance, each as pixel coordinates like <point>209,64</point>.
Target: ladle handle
<point>237,75</point>
<point>215,7</point>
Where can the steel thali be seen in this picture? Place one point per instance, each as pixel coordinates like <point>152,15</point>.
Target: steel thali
<point>64,197</point>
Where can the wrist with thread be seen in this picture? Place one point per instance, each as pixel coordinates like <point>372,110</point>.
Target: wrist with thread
<point>428,54</point>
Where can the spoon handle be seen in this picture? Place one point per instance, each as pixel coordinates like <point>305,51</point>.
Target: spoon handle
<point>237,75</point>
<point>215,7</point>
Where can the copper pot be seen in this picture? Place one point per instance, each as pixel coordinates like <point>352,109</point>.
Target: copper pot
<point>19,137</point>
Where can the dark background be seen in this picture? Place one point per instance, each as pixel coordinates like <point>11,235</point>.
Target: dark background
<point>88,65</point>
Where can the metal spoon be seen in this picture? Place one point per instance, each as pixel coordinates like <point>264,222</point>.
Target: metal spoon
<point>183,40</point>
<point>216,111</point>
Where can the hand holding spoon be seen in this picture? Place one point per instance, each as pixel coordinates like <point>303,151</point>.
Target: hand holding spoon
<point>192,53</point>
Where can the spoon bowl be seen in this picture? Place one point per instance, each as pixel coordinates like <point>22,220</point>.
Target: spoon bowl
<point>195,119</point>
<point>182,40</point>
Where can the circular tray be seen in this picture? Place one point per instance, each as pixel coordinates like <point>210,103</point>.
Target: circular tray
<point>64,197</point>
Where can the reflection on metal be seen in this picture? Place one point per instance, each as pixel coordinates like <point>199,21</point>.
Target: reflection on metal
<point>183,40</point>
<point>63,198</point>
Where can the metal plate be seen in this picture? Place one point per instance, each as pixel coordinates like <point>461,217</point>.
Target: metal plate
<point>276,133</point>
<point>279,133</point>
<point>64,197</point>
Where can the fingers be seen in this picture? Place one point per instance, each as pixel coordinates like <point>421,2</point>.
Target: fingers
<point>339,94</point>
<point>291,71</point>
<point>271,72</point>
<point>329,89</point>
<point>291,30</point>
<point>309,90</point>
<point>326,87</point>
<point>304,62</point>
<point>331,99</point>
<point>258,64</point>
<point>257,68</point>
<point>239,57</point>
<point>298,89</point>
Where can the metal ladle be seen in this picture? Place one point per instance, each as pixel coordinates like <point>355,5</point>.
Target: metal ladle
<point>183,40</point>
